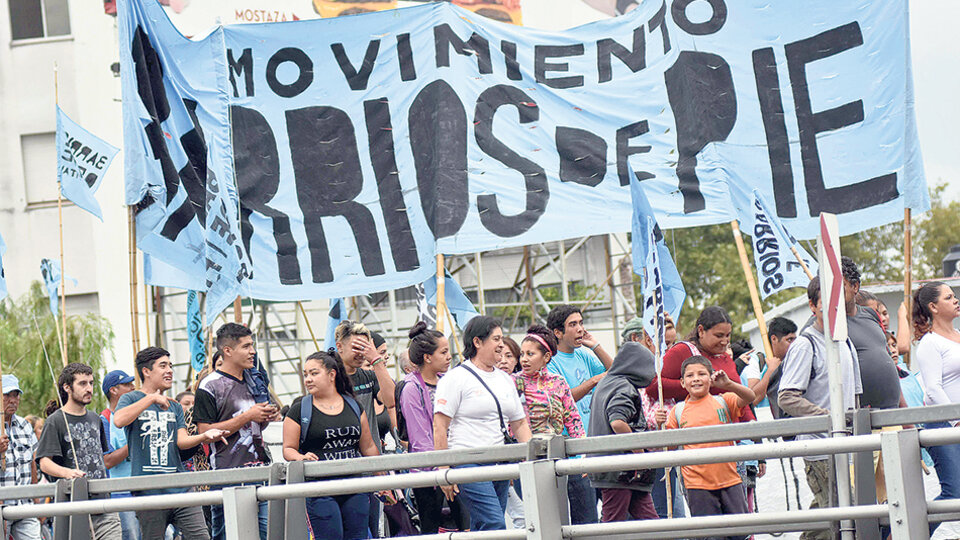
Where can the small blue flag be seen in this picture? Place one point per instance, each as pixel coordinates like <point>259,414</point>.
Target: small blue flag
<point>457,302</point>
<point>50,270</point>
<point>644,239</point>
<point>82,161</point>
<point>338,314</point>
<point>198,353</point>
<point>653,320</point>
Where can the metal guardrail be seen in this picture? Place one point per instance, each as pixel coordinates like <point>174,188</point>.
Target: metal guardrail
<point>543,463</point>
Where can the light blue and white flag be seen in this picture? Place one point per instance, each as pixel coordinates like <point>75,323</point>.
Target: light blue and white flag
<point>50,270</point>
<point>457,302</point>
<point>82,161</point>
<point>198,353</point>
<point>3,273</point>
<point>646,237</point>
<point>777,266</point>
<point>653,320</point>
<point>337,314</point>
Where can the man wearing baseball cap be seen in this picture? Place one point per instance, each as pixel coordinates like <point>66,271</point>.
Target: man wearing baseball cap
<point>115,384</point>
<point>17,445</point>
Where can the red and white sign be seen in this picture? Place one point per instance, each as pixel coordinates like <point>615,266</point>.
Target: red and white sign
<point>831,279</point>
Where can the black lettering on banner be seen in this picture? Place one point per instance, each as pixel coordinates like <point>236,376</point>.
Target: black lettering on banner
<point>704,102</point>
<point>634,59</point>
<point>583,156</point>
<point>357,79</point>
<point>408,69</point>
<point>444,38</point>
<point>509,50</point>
<point>438,139</point>
<point>775,128</point>
<point>326,167</point>
<point>257,167</point>
<point>541,67</point>
<point>838,200</point>
<point>718,17</point>
<point>193,178</point>
<point>304,69</point>
<point>242,66</point>
<point>535,178</point>
<point>658,21</point>
<point>624,150</point>
<point>384,161</point>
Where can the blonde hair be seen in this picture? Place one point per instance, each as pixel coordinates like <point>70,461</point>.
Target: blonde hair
<point>349,328</point>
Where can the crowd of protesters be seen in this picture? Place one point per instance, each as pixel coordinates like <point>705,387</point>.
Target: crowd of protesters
<point>558,380</point>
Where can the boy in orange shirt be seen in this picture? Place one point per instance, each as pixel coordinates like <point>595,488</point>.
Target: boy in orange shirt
<point>713,488</point>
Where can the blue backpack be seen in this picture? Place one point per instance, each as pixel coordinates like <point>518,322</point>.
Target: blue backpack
<point>306,413</point>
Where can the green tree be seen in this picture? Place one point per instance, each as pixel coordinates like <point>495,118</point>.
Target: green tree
<point>30,348</point>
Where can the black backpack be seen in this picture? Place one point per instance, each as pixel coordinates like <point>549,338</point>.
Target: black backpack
<point>401,421</point>
<point>773,386</point>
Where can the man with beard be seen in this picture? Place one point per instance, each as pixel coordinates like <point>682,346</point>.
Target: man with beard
<point>73,442</point>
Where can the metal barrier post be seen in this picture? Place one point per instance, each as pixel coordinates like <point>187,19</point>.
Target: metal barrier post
<point>296,510</point>
<point>275,509</point>
<point>864,485</point>
<point>905,495</point>
<point>61,524</point>
<point>544,499</point>
<point>240,511</point>
<point>79,524</point>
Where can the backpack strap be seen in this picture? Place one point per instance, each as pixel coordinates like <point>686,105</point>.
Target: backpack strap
<point>354,406</point>
<point>694,351</point>
<point>678,410</point>
<point>726,410</point>
<point>306,413</point>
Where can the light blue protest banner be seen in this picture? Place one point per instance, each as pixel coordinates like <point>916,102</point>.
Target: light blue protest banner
<point>3,272</point>
<point>457,302</point>
<point>336,315</point>
<point>775,251</point>
<point>50,271</point>
<point>82,161</point>
<point>198,353</point>
<point>434,130</point>
<point>646,237</point>
<point>653,312</point>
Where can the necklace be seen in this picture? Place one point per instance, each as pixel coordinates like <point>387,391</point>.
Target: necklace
<point>324,406</point>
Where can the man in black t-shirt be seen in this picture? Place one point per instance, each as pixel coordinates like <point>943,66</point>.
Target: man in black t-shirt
<point>59,458</point>
<point>223,401</point>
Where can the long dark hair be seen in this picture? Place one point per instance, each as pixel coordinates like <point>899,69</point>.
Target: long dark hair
<point>709,317</point>
<point>423,342</point>
<point>922,318</point>
<point>331,361</point>
<point>545,334</point>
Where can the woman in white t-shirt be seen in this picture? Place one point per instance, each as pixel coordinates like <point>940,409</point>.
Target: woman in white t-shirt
<point>935,307</point>
<point>475,403</point>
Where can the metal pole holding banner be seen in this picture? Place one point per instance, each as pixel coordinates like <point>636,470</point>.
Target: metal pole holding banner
<point>752,287</point>
<point>835,332</point>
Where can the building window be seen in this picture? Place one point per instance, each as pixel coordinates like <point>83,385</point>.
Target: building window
<point>39,18</point>
<point>39,167</point>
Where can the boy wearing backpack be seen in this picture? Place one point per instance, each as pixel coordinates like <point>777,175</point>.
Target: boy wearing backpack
<point>713,488</point>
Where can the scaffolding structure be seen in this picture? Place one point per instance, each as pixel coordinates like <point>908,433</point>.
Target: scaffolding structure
<point>517,285</point>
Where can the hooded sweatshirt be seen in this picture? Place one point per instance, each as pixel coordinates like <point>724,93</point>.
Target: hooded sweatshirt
<point>617,397</point>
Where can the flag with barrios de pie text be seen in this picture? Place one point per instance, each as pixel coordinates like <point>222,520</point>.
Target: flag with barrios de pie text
<point>82,161</point>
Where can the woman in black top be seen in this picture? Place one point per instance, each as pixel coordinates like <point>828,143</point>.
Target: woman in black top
<point>337,429</point>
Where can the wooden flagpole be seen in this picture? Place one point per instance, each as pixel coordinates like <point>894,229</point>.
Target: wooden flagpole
<point>134,310</point>
<point>63,274</point>
<point>658,357</point>
<point>806,269</point>
<point>237,310</point>
<point>907,272</point>
<point>752,286</point>
<point>3,423</point>
<point>441,292</point>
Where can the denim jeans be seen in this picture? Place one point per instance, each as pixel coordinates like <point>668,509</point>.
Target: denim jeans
<point>216,518</point>
<point>129,525</point>
<point>659,494</point>
<point>583,500</point>
<point>486,502</point>
<point>344,517</point>
<point>946,461</point>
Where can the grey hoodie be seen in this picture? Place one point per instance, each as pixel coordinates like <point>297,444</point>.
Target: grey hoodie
<point>617,397</point>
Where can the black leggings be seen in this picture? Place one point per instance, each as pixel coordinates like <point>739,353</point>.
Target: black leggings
<point>429,501</point>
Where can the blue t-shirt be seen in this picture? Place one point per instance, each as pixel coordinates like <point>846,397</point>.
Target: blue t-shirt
<point>576,368</point>
<point>152,440</point>
<point>116,438</point>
